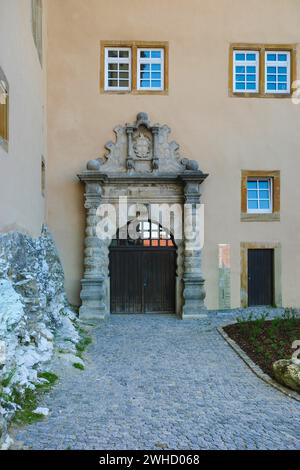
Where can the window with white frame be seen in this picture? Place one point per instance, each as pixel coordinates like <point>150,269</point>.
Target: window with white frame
<point>150,69</point>
<point>117,68</point>
<point>278,72</point>
<point>259,195</point>
<point>246,71</point>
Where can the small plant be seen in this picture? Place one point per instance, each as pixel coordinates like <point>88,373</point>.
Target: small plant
<point>79,366</point>
<point>50,377</point>
<point>83,344</point>
<point>6,381</point>
<point>27,403</point>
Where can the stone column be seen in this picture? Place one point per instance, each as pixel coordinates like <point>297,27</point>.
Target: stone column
<point>193,291</point>
<point>94,284</point>
<point>130,151</point>
<point>155,161</point>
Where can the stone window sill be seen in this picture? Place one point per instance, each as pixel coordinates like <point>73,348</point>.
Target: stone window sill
<point>274,217</point>
<point>4,144</point>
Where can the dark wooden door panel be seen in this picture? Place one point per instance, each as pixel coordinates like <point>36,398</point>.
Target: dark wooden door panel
<point>260,277</point>
<point>159,285</point>
<point>126,287</point>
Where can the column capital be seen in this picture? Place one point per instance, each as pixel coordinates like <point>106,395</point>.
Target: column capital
<point>192,182</point>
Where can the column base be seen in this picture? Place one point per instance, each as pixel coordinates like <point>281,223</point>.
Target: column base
<point>88,312</point>
<point>93,300</point>
<point>194,295</point>
<point>201,315</point>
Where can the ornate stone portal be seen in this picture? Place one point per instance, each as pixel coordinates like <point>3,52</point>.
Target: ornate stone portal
<point>143,166</point>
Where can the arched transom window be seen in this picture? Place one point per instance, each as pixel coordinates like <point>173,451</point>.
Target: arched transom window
<point>144,234</point>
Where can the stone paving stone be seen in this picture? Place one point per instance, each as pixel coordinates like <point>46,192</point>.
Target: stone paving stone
<point>157,379</point>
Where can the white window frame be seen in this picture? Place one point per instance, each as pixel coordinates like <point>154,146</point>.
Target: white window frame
<point>278,64</point>
<point>261,211</point>
<point>117,60</point>
<point>245,63</point>
<point>143,60</point>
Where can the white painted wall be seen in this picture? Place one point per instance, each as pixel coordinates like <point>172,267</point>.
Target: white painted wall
<point>21,201</point>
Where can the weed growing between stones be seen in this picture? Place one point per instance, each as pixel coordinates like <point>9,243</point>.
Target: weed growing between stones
<point>27,401</point>
<point>83,344</point>
<point>79,366</point>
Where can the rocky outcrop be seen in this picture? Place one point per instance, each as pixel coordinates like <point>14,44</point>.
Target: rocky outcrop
<point>287,373</point>
<point>35,317</point>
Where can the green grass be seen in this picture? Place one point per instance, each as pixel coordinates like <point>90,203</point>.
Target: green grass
<point>6,381</point>
<point>83,344</point>
<point>28,401</point>
<point>50,377</point>
<point>79,366</point>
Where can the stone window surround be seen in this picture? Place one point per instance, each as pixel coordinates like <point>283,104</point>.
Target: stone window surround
<point>276,246</point>
<point>164,177</point>
<point>262,48</point>
<point>4,139</point>
<point>37,26</point>
<point>273,216</point>
<point>134,45</point>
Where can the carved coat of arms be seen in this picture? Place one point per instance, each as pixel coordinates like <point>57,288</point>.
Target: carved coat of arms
<point>142,146</point>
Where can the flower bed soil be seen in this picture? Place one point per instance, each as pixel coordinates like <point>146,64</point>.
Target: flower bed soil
<point>266,342</point>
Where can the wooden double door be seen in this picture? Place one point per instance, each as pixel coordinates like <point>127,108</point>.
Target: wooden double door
<point>142,280</point>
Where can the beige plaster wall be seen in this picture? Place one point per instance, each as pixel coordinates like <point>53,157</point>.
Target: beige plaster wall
<point>21,202</point>
<point>224,134</point>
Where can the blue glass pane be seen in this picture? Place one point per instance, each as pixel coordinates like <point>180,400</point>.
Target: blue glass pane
<point>156,54</point>
<point>271,86</point>
<point>251,69</point>
<point>282,69</point>
<point>282,57</point>
<point>264,204</point>
<point>156,75</point>
<point>282,78</point>
<point>253,204</point>
<point>282,87</point>
<point>271,78</point>
<point>251,78</point>
<point>156,67</point>
<point>145,83</point>
<point>271,69</point>
<point>264,194</point>
<point>240,69</point>
<point>240,57</point>
<point>251,57</point>
<point>240,86</point>
<point>252,194</point>
<point>251,185</point>
<point>240,78</point>
<point>145,54</point>
<point>145,75</point>
<point>156,83</point>
<point>145,67</point>
<point>263,184</point>
<point>271,57</point>
<point>251,86</point>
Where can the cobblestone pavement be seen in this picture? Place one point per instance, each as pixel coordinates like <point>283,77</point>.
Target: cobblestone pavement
<point>154,382</point>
